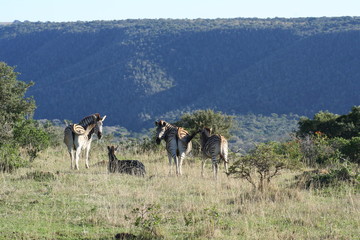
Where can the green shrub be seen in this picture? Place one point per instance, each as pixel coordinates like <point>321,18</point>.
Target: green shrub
<point>327,178</point>
<point>351,149</point>
<point>319,150</point>
<point>10,158</point>
<point>263,163</point>
<point>147,219</point>
<point>31,137</point>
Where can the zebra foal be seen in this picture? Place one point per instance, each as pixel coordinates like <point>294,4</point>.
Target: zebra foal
<point>78,137</point>
<point>213,146</point>
<point>178,143</point>
<point>132,167</point>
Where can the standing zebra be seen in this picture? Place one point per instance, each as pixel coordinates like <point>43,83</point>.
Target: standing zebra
<point>78,137</point>
<point>212,146</point>
<point>178,143</point>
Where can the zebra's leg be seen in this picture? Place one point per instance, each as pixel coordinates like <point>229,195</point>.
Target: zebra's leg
<point>181,159</point>
<point>170,163</point>
<point>215,166</point>
<point>176,160</point>
<point>87,155</point>
<point>77,156</point>
<point>202,167</point>
<point>71,153</point>
<point>226,165</point>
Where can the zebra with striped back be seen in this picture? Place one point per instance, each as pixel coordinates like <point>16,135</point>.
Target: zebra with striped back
<point>78,137</point>
<point>178,143</point>
<point>212,146</point>
<point>131,167</point>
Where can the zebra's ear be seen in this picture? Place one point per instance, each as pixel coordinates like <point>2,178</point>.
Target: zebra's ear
<point>103,118</point>
<point>156,123</point>
<point>163,123</point>
<point>108,147</point>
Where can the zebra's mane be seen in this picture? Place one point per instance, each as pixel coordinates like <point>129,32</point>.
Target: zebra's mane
<point>86,121</point>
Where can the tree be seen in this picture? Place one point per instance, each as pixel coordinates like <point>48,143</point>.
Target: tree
<point>15,109</point>
<point>14,106</point>
<point>332,125</point>
<point>265,162</point>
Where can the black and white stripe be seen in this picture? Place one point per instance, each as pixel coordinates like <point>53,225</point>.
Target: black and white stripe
<point>213,146</point>
<point>178,143</point>
<point>132,167</point>
<point>79,136</point>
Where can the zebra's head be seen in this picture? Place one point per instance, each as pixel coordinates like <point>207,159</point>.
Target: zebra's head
<point>160,130</point>
<point>205,133</point>
<point>99,125</point>
<point>111,153</point>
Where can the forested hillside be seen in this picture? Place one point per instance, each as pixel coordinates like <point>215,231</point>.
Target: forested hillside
<point>136,71</point>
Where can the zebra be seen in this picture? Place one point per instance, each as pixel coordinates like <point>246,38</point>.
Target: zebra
<point>178,143</point>
<point>211,147</point>
<point>132,167</point>
<point>79,136</point>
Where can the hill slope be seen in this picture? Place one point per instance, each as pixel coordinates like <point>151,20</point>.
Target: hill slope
<point>138,70</point>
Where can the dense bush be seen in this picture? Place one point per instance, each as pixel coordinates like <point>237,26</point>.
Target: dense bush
<point>345,126</point>
<point>319,150</point>
<point>351,149</point>
<point>10,158</point>
<point>31,138</point>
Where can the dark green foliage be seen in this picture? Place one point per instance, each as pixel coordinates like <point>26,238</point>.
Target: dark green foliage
<point>351,149</point>
<point>143,69</point>
<point>332,125</point>
<point>318,150</point>
<point>219,122</point>
<point>16,130</point>
<point>329,138</point>
<point>31,137</point>
<point>14,106</point>
<point>10,158</point>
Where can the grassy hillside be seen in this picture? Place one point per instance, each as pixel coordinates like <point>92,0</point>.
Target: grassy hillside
<point>137,70</point>
<point>49,201</point>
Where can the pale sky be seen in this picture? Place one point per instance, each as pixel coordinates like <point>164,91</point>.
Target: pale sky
<point>88,10</point>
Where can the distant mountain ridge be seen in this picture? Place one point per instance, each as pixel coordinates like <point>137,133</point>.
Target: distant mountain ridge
<point>135,71</point>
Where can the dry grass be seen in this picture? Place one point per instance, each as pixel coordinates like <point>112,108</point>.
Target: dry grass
<point>92,204</point>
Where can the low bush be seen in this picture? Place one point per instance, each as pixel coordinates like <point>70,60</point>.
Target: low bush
<point>10,158</point>
<point>327,178</point>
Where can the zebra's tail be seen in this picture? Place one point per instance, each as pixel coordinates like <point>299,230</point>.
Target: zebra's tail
<point>190,137</point>
<point>224,149</point>
<point>77,129</point>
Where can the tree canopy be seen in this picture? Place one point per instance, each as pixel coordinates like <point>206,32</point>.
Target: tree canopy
<point>14,105</point>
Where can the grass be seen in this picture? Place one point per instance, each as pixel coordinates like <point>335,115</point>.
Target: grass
<point>50,201</point>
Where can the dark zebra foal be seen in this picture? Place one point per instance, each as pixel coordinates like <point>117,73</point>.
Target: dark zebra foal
<point>132,167</point>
